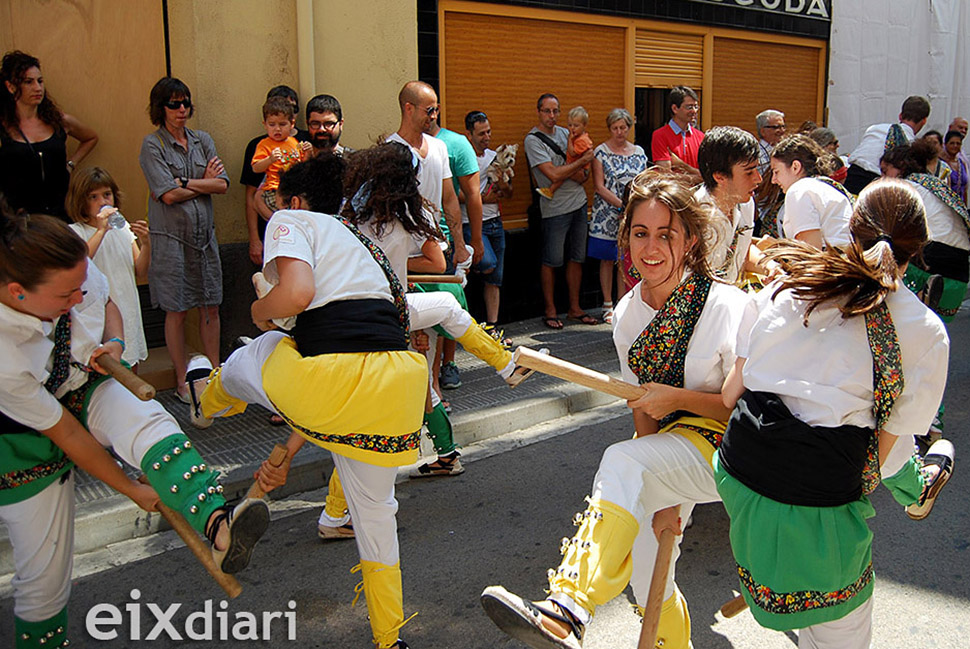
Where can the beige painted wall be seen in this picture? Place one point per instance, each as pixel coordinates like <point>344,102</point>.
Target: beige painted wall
<point>99,61</point>
<point>101,58</point>
<point>230,53</point>
<point>365,51</point>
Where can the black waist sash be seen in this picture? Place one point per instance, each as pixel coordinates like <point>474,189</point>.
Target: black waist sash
<point>949,261</point>
<point>349,326</point>
<point>771,452</point>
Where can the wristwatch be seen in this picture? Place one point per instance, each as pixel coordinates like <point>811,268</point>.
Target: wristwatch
<point>184,182</point>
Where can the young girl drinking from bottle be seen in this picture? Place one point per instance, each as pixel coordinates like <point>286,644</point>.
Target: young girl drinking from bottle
<point>121,250</point>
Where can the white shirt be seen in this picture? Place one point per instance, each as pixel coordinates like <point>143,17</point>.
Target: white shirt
<point>27,348</point>
<point>742,220</point>
<point>873,145</point>
<point>489,210</point>
<point>398,244</point>
<point>434,169</point>
<point>811,204</point>
<point>343,269</point>
<point>823,372</point>
<point>944,225</point>
<point>711,350</point>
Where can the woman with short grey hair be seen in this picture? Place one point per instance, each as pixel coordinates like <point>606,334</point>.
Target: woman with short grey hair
<point>616,163</point>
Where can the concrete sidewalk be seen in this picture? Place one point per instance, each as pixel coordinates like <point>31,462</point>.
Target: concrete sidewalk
<point>483,407</point>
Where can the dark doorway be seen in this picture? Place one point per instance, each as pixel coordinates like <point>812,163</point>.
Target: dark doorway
<point>652,112</point>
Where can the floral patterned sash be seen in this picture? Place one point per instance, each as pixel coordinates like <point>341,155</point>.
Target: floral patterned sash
<point>834,184</point>
<point>400,301</point>
<point>887,383</point>
<point>943,192</point>
<point>895,137</point>
<point>659,352</point>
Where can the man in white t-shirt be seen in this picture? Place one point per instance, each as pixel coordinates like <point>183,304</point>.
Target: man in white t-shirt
<point>479,133</point>
<point>728,163</point>
<point>864,160</point>
<point>419,107</point>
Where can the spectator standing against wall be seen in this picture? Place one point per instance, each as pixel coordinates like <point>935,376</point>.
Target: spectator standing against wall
<point>675,144</point>
<point>478,130</point>
<point>616,163</point>
<point>564,215</point>
<point>34,166</point>
<point>879,138</point>
<point>183,170</point>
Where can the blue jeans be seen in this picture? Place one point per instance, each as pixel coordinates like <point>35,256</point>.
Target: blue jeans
<point>493,239</point>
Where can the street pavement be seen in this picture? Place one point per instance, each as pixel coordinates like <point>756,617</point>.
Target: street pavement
<point>500,523</point>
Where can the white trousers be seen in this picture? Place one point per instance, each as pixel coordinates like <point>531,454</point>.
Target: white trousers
<point>426,310</point>
<point>645,475</point>
<point>369,490</point>
<point>130,426</point>
<point>41,532</point>
<point>854,631</point>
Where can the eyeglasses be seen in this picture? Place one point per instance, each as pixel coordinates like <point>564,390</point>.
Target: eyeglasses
<point>430,111</point>
<point>324,126</point>
<point>550,111</point>
<point>775,127</point>
<point>477,116</point>
<point>175,104</point>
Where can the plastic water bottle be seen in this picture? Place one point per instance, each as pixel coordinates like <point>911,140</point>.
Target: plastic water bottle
<point>116,221</point>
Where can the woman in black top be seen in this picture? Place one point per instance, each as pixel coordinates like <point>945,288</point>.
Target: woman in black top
<point>34,164</point>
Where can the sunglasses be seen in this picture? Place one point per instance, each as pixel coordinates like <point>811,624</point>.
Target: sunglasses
<point>178,103</point>
<point>430,111</point>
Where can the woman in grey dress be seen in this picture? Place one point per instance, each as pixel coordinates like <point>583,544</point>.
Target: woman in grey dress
<point>183,171</point>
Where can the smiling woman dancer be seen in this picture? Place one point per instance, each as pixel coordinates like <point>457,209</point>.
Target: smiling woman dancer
<point>56,408</point>
<point>863,368</point>
<point>349,343</point>
<point>674,333</point>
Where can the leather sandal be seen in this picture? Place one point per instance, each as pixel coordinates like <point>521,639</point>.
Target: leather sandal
<point>522,620</point>
<point>939,455</point>
<point>445,465</point>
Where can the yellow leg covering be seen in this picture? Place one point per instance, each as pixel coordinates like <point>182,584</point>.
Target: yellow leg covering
<point>385,600</point>
<point>481,345</point>
<point>216,402</point>
<point>597,564</point>
<point>674,627</point>
<point>336,506</point>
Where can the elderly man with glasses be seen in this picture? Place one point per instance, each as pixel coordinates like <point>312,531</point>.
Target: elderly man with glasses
<point>771,128</point>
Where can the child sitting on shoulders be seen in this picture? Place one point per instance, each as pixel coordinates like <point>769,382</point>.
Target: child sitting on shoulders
<point>579,143</point>
<point>121,250</point>
<point>276,152</point>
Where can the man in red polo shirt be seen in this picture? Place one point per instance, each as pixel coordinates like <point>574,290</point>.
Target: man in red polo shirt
<point>675,144</point>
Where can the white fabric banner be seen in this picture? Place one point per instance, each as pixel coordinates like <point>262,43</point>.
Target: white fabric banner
<point>882,51</point>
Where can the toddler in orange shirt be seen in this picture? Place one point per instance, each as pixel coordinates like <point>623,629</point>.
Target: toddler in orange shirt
<point>278,151</point>
<point>579,143</point>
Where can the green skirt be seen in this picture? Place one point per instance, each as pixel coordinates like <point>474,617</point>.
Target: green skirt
<point>953,291</point>
<point>799,566</point>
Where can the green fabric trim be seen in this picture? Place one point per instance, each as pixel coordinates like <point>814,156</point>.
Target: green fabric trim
<point>53,630</point>
<point>164,474</point>
<point>906,485</point>
<point>953,291</point>
<point>439,427</point>
<point>29,463</point>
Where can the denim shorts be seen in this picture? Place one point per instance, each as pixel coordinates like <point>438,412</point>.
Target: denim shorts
<point>564,236</point>
<point>493,239</point>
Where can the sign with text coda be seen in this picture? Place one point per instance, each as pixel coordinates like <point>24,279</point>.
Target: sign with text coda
<point>818,9</point>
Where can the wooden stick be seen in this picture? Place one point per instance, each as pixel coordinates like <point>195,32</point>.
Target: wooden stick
<point>576,374</point>
<point>138,386</point>
<point>735,606</point>
<point>276,458</point>
<point>655,596</point>
<point>228,583</point>
<point>434,279</point>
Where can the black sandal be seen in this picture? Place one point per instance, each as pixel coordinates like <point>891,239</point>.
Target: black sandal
<point>247,522</point>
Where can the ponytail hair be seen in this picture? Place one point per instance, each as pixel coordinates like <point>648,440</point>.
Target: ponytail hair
<point>888,228</point>
<point>33,245</point>
<point>807,151</point>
